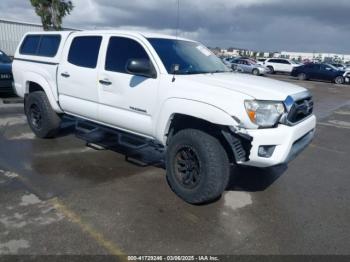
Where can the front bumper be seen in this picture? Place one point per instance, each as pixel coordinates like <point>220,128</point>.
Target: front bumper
<point>289,141</point>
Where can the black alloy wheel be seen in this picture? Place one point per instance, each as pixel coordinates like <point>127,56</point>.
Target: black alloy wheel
<point>188,167</point>
<point>35,116</point>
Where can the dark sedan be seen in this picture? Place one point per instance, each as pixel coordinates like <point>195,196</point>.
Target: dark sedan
<point>323,72</point>
<point>6,79</point>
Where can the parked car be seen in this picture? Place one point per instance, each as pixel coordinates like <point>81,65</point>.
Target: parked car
<point>325,72</point>
<point>280,65</point>
<point>6,79</point>
<point>169,93</point>
<point>248,66</point>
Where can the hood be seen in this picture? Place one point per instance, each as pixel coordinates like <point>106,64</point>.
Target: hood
<point>5,68</point>
<point>257,87</point>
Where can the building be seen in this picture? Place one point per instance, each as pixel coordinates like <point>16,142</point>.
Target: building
<point>11,33</point>
<point>229,52</point>
<point>327,57</point>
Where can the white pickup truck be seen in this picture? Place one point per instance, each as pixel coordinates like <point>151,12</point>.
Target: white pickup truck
<point>168,90</point>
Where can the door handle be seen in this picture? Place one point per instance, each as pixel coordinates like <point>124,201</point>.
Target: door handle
<point>105,82</point>
<point>65,75</point>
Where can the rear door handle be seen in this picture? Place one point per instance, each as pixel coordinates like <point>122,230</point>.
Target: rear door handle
<point>65,75</point>
<point>105,82</point>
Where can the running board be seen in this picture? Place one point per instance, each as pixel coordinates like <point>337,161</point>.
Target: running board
<point>138,150</point>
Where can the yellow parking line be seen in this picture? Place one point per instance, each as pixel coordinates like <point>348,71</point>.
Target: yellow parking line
<point>98,237</point>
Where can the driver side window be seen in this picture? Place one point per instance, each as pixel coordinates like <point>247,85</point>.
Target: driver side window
<point>120,51</point>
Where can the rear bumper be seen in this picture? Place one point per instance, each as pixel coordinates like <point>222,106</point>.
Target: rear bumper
<point>289,142</point>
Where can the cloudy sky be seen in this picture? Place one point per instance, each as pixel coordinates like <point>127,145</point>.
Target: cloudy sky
<point>267,25</point>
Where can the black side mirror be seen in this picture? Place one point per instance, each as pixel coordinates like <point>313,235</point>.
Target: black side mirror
<point>141,67</point>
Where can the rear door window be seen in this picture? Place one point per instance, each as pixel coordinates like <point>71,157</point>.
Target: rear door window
<point>84,51</point>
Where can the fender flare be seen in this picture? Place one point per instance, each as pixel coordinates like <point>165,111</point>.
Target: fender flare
<point>41,81</point>
<point>192,108</point>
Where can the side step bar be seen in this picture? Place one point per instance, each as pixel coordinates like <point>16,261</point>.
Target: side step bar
<point>137,150</point>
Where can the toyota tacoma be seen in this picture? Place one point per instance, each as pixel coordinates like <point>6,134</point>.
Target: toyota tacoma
<point>168,90</point>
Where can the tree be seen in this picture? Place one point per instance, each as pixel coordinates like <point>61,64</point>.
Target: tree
<point>51,12</point>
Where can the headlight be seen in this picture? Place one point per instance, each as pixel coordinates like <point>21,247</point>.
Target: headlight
<point>264,113</point>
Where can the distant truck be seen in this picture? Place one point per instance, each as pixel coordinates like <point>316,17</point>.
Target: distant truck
<point>171,91</point>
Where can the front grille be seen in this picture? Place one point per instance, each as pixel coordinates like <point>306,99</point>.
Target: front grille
<point>300,110</point>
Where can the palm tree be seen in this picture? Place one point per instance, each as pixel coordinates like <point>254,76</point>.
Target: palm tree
<point>51,12</point>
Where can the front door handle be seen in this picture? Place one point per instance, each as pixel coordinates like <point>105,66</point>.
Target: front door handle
<point>105,82</point>
<point>65,75</point>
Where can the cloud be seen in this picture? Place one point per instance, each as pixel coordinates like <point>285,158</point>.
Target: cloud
<point>271,25</point>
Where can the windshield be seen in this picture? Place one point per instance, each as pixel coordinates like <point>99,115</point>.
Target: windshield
<point>189,57</point>
<point>4,58</point>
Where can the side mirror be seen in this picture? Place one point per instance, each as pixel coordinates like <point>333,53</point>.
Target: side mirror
<point>141,67</point>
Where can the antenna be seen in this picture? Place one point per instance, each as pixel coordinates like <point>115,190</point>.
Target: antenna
<point>178,18</point>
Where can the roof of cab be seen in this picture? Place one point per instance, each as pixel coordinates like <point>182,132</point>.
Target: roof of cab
<point>134,33</point>
<point>131,33</point>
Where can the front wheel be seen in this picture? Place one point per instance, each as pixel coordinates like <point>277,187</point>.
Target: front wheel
<point>42,119</point>
<point>256,72</point>
<point>198,167</point>
<point>339,80</point>
<point>271,70</point>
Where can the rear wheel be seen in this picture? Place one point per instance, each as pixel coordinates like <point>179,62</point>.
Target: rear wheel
<point>42,119</point>
<point>339,80</point>
<point>302,76</point>
<point>198,167</point>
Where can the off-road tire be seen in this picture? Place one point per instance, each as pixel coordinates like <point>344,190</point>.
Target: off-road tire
<point>38,109</point>
<point>214,166</point>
